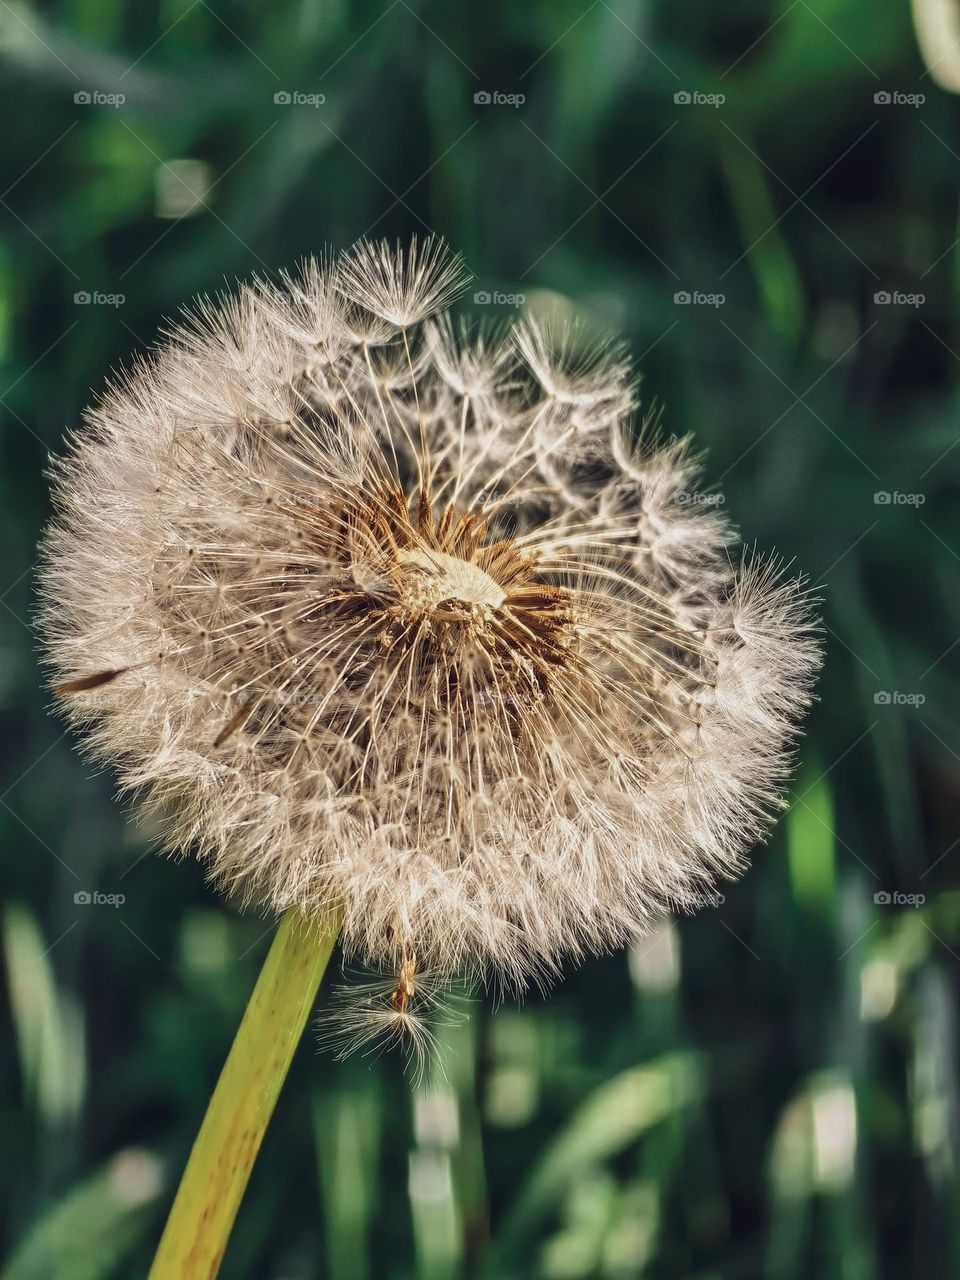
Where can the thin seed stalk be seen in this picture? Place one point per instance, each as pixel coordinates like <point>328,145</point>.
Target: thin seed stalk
<point>197,1230</point>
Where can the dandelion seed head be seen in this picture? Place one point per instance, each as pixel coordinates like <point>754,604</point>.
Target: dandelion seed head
<point>375,609</point>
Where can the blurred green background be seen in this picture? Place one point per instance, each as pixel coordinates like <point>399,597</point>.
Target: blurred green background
<point>768,1089</point>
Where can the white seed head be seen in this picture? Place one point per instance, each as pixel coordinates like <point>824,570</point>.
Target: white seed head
<point>412,620</point>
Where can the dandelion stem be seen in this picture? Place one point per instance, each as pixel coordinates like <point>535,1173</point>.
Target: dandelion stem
<point>216,1175</point>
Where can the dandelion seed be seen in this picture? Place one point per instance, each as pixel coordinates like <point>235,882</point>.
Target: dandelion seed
<point>402,286</point>
<point>410,619</point>
<point>408,1010</point>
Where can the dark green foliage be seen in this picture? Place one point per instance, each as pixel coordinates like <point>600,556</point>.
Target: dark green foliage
<point>769,1089</point>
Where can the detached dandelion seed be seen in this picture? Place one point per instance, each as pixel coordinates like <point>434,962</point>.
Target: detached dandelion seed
<point>386,616</point>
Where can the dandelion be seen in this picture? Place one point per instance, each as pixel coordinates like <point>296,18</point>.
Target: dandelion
<point>407,624</point>
<point>414,622</point>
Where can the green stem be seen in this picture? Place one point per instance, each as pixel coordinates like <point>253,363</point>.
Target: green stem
<point>214,1180</point>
